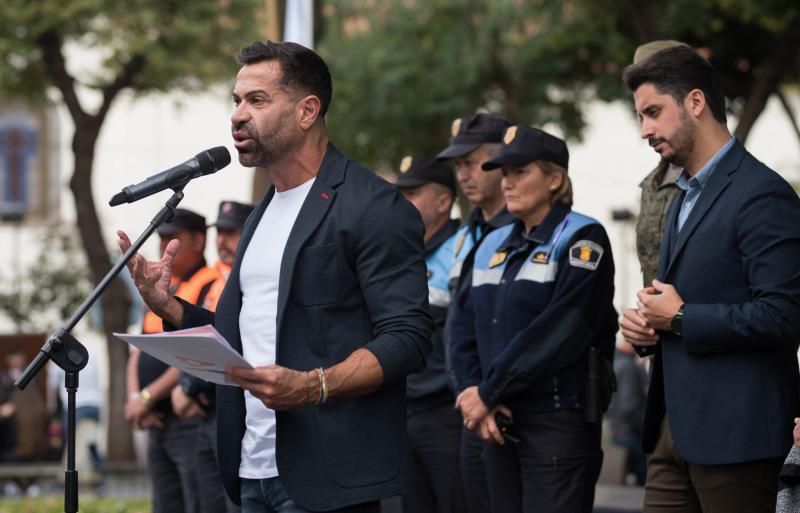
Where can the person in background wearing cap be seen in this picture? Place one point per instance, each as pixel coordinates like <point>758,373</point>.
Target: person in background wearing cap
<point>230,221</point>
<point>194,397</point>
<point>723,316</point>
<point>170,452</point>
<point>658,191</point>
<point>434,427</point>
<point>541,304</point>
<point>475,139</point>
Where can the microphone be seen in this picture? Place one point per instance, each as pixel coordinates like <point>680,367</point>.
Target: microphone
<point>204,163</point>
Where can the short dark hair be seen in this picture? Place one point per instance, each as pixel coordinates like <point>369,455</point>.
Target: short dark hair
<point>676,71</point>
<point>301,68</point>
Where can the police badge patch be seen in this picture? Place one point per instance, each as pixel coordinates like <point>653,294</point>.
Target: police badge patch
<point>498,258</point>
<point>585,254</point>
<point>460,244</point>
<point>540,257</point>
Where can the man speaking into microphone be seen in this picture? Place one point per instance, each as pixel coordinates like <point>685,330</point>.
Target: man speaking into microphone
<point>327,299</point>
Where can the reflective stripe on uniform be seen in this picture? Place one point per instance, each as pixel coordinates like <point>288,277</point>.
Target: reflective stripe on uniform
<point>438,297</point>
<point>487,276</point>
<point>540,273</point>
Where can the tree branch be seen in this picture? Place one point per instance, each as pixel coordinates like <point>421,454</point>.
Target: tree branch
<point>123,79</point>
<point>767,79</point>
<point>50,43</point>
<point>642,21</point>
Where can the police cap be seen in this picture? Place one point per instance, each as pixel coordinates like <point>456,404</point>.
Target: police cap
<point>523,145</point>
<point>232,215</point>
<point>470,132</point>
<point>183,220</point>
<point>417,171</point>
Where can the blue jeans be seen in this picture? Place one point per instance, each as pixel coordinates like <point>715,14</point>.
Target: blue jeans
<point>269,496</point>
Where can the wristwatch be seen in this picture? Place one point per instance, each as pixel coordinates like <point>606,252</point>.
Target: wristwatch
<point>676,324</point>
<point>146,397</point>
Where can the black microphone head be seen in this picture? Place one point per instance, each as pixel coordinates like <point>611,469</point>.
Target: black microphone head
<point>118,199</point>
<point>214,159</point>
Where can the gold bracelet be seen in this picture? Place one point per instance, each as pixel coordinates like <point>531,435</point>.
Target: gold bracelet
<point>323,386</point>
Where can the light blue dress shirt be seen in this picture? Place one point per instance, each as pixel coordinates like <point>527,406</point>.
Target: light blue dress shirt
<point>693,186</point>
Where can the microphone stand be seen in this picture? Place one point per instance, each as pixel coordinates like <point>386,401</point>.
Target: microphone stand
<point>69,354</point>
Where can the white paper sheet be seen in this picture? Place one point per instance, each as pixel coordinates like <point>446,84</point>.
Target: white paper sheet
<point>201,352</point>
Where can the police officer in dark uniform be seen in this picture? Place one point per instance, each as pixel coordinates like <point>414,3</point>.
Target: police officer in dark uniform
<point>543,328</point>
<point>434,427</point>
<point>474,140</point>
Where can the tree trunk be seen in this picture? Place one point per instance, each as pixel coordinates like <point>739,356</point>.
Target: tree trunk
<point>768,77</point>
<point>755,104</point>
<point>641,22</point>
<point>115,300</point>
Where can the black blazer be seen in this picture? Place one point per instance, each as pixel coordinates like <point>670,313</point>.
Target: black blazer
<point>353,275</point>
<point>729,385</point>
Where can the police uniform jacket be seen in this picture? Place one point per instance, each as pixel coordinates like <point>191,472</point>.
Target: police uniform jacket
<point>468,237</point>
<point>536,303</point>
<point>352,276</point>
<point>431,387</point>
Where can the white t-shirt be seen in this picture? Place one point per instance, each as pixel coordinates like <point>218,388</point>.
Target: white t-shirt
<point>258,279</point>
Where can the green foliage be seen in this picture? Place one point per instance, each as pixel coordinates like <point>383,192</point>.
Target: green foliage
<point>51,288</point>
<point>404,69</point>
<point>86,505</point>
<point>184,44</point>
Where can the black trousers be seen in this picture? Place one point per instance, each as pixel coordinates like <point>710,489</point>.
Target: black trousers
<point>473,473</point>
<point>170,465</point>
<point>435,486</point>
<point>211,496</point>
<point>553,468</point>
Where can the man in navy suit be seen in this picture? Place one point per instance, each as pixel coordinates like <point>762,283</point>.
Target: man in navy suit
<point>723,316</point>
<point>327,299</point>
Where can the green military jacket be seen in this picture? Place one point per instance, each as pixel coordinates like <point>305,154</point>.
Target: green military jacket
<point>658,190</point>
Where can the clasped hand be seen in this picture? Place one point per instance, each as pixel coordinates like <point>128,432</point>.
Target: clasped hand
<point>478,417</point>
<point>656,306</point>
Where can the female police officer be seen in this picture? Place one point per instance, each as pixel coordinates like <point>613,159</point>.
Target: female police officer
<point>541,313</point>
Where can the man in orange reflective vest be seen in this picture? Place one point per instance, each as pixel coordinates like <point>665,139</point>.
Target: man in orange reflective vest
<point>170,452</point>
<point>196,398</point>
<point>230,220</point>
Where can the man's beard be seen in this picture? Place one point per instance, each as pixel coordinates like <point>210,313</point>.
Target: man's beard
<point>683,142</point>
<point>226,256</point>
<point>270,148</point>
